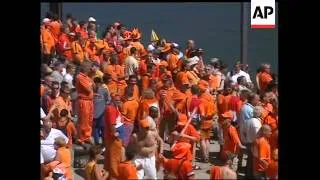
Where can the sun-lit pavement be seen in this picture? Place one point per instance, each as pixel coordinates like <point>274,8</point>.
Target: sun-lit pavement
<point>200,174</point>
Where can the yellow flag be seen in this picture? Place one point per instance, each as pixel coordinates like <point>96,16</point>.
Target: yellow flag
<point>154,36</point>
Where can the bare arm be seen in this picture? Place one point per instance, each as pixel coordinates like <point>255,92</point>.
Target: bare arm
<point>160,141</point>
<point>100,174</point>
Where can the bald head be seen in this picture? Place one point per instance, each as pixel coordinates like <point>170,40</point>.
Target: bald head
<point>92,34</point>
<point>86,67</point>
<point>257,111</point>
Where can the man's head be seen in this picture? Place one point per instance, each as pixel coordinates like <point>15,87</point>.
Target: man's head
<point>129,92</point>
<point>185,87</point>
<point>114,60</point>
<point>194,90</point>
<point>132,80</point>
<point>107,78</point>
<point>59,142</point>
<point>65,92</point>
<point>241,80</point>
<point>182,120</point>
<point>58,66</point>
<point>64,113</point>
<point>95,67</point>
<point>148,94</point>
<point>167,83</point>
<point>227,158</point>
<point>227,88</point>
<point>48,80</point>
<point>83,24</point>
<point>98,82</point>
<point>266,68</point>
<point>244,94</point>
<point>133,51</point>
<point>47,125</point>
<point>266,131</point>
<point>266,97</point>
<point>116,99</point>
<point>253,98</point>
<point>86,67</point>
<point>257,111</point>
<point>153,112</point>
<point>71,69</point>
<point>237,67</point>
<point>94,152</point>
<point>55,88</point>
<point>191,44</point>
<point>92,35</point>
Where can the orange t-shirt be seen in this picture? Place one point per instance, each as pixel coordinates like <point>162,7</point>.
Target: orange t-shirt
<point>64,42</point>
<point>112,87</point>
<point>173,60</point>
<point>214,81</point>
<point>231,139</point>
<point>223,104</point>
<point>60,103</point>
<point>172,165</point>
<point>121,85</point>
<point>64,156</point>
<point>130,110</point>
<point>70,129</point>
<point>145,80</point>
<point>127,171</point>
<point>56,29</point>
<point>77,51</point>
<point>264,80</point>
<point>271,120</point>
<point>192,77</point>
<point>144,106</point>
<point>47,41</point>
<point>83,82</point>
<point>261,151</point>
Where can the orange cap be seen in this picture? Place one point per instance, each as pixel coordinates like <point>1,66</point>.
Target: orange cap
<point>227,115</point>
<point>164,63</point>
<point>182,120</point>
<point>144,123</point>
<point>181,150</point>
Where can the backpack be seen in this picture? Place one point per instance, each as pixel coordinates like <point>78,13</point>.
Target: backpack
<point>172,175</point>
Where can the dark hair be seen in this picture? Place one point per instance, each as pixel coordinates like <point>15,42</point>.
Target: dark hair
<point>132,76</point>
<point>70,66</point>
<point>114,59</point>
<point>55,17</point>
<point>239,79</point>
<point>245,93</point>
<point>64,85</point>
<point>64,113</point>
<point>77,36</point>
<point>49,15</point>
<point>194,89</point>
<point>82,23</point>
<point>251,96</point>
<point>94,150</point>
<point>97,80</point>
<point>133,50</point>
<point>130,153</point>
<point>106,77</point>
<point>129,91</point>
<point>69,15</point>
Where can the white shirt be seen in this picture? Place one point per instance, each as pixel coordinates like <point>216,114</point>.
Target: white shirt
<point>131,64</point>
<point>241,73</point>
<point>251,128</point>
<point>64,71</point>
<point>47,146</point>
<point>68,78</point>
<point>42,114</point>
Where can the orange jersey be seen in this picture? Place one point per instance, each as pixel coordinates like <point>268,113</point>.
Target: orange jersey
<point>231,139</point>
<point>261,151</point>
<point>130,110</point>
<point>47,41</point>
<point>77,51</point>
<point>264,80</point>
<point>83,83</point>
<point>127,171</point>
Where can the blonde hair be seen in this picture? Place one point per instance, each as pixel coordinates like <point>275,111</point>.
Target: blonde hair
<point>148,94</point>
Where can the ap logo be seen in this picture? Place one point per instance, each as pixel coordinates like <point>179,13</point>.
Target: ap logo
<point>263,14</point>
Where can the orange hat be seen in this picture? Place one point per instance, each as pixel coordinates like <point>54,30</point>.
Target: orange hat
<point>182,120</point>
<point>166,47</point>
<point>164,63</point>
<point>227,115</point>
<point>181,150</point>
<point>135,34</point>
<point>144,123</point>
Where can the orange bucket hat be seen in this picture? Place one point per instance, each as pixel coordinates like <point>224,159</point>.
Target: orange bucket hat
<point>144,123</point>
<point>182,120</point>
<point>127,35</point>
<point>166,47</point>
<point>181,150</point>
<point>227,115</point>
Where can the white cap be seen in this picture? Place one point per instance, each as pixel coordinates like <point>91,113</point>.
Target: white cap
<point>91,19</point>
<point>46,20</point>
<point>193,60</point>
<point>175,45</point>
<point>150,47</point>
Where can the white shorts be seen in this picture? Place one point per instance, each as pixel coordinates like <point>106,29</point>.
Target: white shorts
<point>148,170</point>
